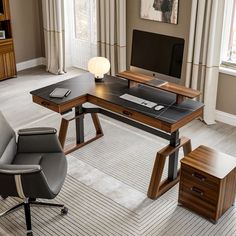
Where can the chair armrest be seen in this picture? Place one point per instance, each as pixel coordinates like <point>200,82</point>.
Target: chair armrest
<point>19,169</point>
<point>37,131</point>
<point>24,181</point>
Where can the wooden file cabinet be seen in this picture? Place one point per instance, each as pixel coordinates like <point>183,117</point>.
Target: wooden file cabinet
<point>7,55</point>
<point>207,182</point>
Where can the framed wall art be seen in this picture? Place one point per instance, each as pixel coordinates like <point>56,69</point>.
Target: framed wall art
<point>160,10</point>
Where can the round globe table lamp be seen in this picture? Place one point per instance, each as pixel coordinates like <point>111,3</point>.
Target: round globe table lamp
<point>99,66</point>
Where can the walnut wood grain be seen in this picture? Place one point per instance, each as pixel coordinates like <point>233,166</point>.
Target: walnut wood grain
<point>97,124</point>
<point>194,115</point>
<point>153,122</point>
<point>7,54</point>
<point>60,108</point>
<point>156,187</point>
<point>64,128</point>
<point>107,96</point>
<point>179,90</point>
<point>130,113</point>
<point>208,182</point>
<point>7,62</point>
<point>6,9</point>
<point>210,161</point>
<point>72,148</point>
<point>63,131</point>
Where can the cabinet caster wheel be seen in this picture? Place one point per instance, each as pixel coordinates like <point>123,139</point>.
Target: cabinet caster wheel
<point>64,211</point>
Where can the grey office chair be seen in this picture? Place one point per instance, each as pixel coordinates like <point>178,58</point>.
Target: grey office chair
<point>34,167</point>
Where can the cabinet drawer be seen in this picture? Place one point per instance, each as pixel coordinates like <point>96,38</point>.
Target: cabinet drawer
<point>7,65</point>
<point>6,47</point>
<point>199,190</point>
<point>193,202</point>
<point>199,177</point>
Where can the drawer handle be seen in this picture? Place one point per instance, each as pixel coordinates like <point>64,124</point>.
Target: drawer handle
<point>127,113</point>
<point>197,191</point>
<point>198,176</point>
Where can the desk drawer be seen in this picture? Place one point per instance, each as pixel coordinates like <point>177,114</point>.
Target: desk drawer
<point>153,122</point>
<point>46,104</point>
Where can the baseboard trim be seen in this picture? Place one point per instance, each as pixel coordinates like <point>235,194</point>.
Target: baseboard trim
<point>226,118</point>
<point>30,63</point>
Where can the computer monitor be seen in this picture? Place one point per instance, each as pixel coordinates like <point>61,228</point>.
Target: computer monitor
<point>157,55</point>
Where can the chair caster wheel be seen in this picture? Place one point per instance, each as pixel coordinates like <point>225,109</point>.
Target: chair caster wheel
<point>64,210</point>
<point>29,234</point>
<point>4,197</point>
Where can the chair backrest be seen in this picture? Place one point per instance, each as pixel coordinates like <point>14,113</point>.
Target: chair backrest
<point>8,145</point>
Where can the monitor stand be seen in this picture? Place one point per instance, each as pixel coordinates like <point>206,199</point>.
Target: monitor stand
<point>180,91</point>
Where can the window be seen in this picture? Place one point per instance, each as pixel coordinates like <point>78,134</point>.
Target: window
<point>228,51</point>
<point>82,32</point>
<point>85,20</point>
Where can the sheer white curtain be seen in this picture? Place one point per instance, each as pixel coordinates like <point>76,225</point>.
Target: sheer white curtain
<point>81,32</point>
<point>54,34</point>
<point>111,20</point>
<point>204,52</point>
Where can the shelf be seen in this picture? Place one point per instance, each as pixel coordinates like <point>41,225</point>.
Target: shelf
<point>6,26</point>
<point>180,91</point>
<point>5,41</point>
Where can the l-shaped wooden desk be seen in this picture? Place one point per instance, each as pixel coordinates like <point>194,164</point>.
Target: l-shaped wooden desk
<point>164,123</point>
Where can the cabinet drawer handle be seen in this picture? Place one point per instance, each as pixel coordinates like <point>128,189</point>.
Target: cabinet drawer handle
<point>197,191</point>
<point>127,113</point>
<point>198,176</point>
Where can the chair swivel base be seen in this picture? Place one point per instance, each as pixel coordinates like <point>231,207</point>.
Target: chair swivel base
<point>26,204</point>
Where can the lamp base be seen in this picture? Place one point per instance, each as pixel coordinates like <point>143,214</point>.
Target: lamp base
<point>99,80</point>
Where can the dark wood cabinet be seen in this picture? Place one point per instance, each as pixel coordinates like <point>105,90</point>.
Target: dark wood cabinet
<point>7,54</point>
<point>207,182</point>
<point>4,10</point>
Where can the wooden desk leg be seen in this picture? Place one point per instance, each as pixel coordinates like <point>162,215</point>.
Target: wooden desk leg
<point>97,124</point>
<point>157,172</point>
<point>80,142</point>
<point>156,186</point>
<point>63,131</point>
<point>187,148</point>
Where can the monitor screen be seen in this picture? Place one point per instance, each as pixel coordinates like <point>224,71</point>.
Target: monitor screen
<point>158,53</point>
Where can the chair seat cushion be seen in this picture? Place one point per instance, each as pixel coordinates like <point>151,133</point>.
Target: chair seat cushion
<point>53,165</point>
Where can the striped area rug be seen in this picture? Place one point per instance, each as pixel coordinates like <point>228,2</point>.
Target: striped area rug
<point>105,192</point>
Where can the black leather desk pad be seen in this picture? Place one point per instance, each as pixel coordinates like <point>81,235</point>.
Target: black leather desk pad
<point>114,87</point>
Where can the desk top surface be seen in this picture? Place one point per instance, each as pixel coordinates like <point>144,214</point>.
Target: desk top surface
<point>111,90</point>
